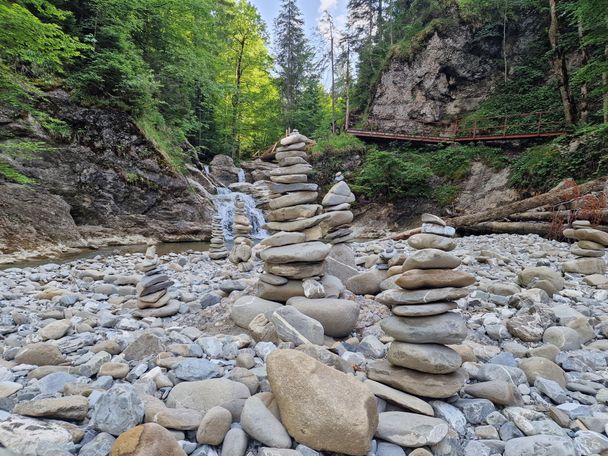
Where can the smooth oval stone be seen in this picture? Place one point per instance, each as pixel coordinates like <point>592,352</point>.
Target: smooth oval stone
<point>293,199</point>
<point>398,296</point>
<point>290,179</point>
<point>431,259</point>
<point>424,310</point>
<point>430,218</point>
<point>283,238</point>
<point>246,308</point>
<point>293,212</point>
<point>338,316</point>
<point>296,225</point>
<point>431,358</point>
<point>304,252</point>
<point>431,241</point>
<point>405,400</point>
<point>447,328</point>
<point>418,383</point>
<point>302,168</point>
<point>296,270</point>
<point>434,278</point>
<point>588,234</point>
<point>410,430</point>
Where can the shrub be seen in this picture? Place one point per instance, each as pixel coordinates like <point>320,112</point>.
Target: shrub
<point>386,176</point>
<point>446,195</point>
<point>339,145</point>
<point>454,162</point>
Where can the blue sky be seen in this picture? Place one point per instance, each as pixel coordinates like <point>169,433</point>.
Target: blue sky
<point>312,10</point>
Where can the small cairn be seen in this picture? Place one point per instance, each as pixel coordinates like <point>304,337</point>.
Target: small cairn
<point>241,254</point>
<point>589,250</point>
<point>419,360</point>
<point>152,287</point>
<point>295,256</point>
<point>337,203</point>
<point>217,249</point>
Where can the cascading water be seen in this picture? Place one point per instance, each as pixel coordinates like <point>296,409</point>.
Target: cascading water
<point>241,175</point>
<point>225,203</point>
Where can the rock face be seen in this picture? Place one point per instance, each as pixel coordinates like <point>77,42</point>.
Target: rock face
<point>450,75</point>
<point>321,407</point>
<point>420,339</point>
<point>108,177</point>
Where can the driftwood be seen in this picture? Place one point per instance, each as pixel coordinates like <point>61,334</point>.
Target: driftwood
<point>540,228</point>
<point>404,234</point>
<point>600,216</point>
<point>552,198</point>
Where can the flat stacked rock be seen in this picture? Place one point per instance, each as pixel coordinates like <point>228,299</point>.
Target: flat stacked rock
<point>589,248</point>
<point>241,254</point>
<point>295,256</point>
<point>337,203</point>
<point>423,324</point>
<point>152,287</point>
<point>217,249</point>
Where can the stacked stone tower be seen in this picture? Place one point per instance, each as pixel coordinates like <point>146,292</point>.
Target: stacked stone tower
<point>241,254</point>
<point>217,249</point>
<point>423,322</point>
<point>590,249</point>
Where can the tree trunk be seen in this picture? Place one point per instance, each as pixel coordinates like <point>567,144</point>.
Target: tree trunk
<point>236,99</point>
<point>584,104</point>
<point>600,215</point>
<point>551,198</point>
<point>605,83</point>
<point>333,76</point>
<point>504,41</point>
<point>559,67</point>
<point>541,229</point>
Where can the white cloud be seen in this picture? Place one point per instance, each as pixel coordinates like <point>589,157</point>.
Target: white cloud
<point>327,5</point>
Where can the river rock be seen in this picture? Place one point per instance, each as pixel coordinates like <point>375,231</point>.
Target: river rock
<point>400,398</point>
<point>205,394</point>
<point>214,426</point>
<point>431,358</point>
<point>337,316</point>
<point>534,445</point>
<point>431,241</point>
<point>55,330</point>
<point>541,277</point>
<point>562,337</point>
<point>586,266</point>
<point>411,430</point>
<point>434,278</point>
<point>246,308</point>
<point>322,408</point>
<point>146,440</point>
<point>117,410</point>
<point>588,234</point>
<point>366,282</point>
<point>497,391</point>
<point>279,293</point>
<point>431,259</point>
<point>448,328</point>
<point>63,408</point>
<point>423,310</point>
<point>40,354</point>
<point>414,382</point>
<point>262,425</point>
<point>303,252</point>
<point>399,296</point>
<point>536,366</point>
<point>293,326</point>
<point>26,436</point>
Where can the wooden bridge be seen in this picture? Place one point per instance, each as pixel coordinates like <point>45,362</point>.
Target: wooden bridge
<point>491,128</point>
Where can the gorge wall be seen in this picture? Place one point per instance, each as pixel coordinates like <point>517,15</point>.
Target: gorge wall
<point>101,182</point>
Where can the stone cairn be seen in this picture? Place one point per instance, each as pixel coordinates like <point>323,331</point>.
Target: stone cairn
<point>337,203</point>
<point>217,249</point>
<point>241,254</point>
<point>152,287</point>
<point>294,259</point>
<point>419,360</point>
<point>590,249</point>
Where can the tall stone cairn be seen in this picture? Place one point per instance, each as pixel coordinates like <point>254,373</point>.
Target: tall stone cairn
<point>590,249</point>
<point>419,360</point>
<point>241,253</point>
<point>336,203</point>
<point>294,259</point>
<point>217,249</point>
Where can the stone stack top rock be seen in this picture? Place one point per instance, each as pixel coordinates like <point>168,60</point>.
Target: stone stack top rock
<point>423,321</point>
<point>241,253</point>
<point>589,249</point>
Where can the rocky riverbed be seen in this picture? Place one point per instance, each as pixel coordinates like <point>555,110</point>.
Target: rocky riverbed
<point>85,371</point>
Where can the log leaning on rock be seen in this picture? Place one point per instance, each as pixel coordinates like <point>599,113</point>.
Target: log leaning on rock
<point>548,216</point>
<point>551,198</point>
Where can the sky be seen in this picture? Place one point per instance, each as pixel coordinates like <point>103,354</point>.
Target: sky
<point>312,11</point>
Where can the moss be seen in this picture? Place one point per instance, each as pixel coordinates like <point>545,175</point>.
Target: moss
<point>454,162</point>
<point>338,145</point>
<point>165,139</point>
<point>446,194</point>
<point>11,174</point>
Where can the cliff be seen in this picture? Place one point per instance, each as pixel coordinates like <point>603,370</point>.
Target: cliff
<point>101,181</point>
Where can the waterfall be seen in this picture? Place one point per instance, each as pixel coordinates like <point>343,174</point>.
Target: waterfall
<point>241,175</point>
<point>224,203</point>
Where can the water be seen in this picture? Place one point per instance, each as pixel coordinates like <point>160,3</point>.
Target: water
<point>241,175</point>
<point>163,248</point>
<point>225,203</point>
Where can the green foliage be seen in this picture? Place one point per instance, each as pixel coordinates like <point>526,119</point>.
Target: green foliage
<point>338,145</point>
<point>446,194</point>
<point>388,176</point>
<point>166,140</point>
<point>23,148</point>
<point>10,173</point>
<point>542,167</point>
<point>454,162</point>
<point>410,45</point>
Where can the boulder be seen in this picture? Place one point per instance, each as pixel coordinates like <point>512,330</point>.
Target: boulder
<point>246,308</point>
<point>205,394</point>
<point>541,277</point>
<point>321,407</point>
<point>431,259</point>
<point>293,326</point>
<point>337,316</point>
<point>367,282</point>
<point>447,328</point>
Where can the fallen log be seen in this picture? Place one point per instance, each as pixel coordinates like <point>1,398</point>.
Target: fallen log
<point>552,198</point>
<point>403,235</point>
<point>594,216</point>
<point>540,228</point>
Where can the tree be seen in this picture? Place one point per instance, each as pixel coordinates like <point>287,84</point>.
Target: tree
<point>293,57</point>
<point>559,67</point>
<point>328,22</point>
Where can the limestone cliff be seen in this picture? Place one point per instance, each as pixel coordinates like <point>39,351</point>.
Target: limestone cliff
<point>448,75</point>
<point>102,182</point>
